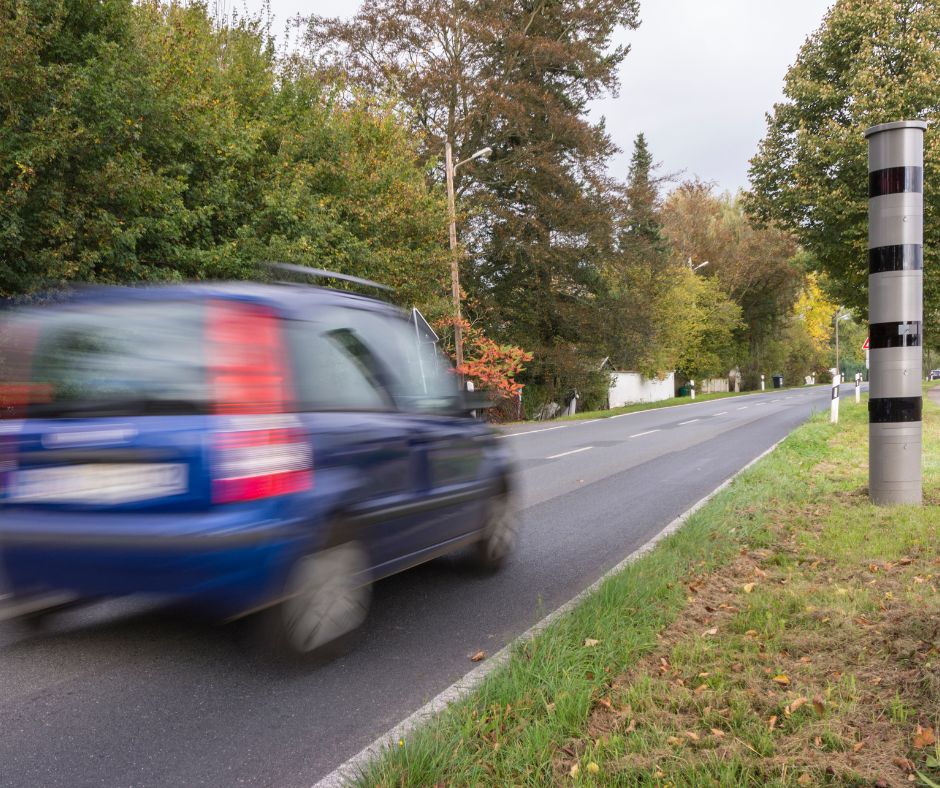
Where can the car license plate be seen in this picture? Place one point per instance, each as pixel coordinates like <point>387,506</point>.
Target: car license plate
<point>100,483</point>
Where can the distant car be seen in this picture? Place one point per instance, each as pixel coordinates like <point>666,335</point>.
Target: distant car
<point>935,374</point>
<point>240,447</point>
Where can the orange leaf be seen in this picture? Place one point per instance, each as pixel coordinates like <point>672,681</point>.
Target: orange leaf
<point>783,679</point>
<point>924,738</point>
<point>478,657</point>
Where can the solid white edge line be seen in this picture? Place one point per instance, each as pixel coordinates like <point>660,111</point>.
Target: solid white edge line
<point>690,421</point>
<point>355,766</point>
<point>531,432</point>
<point>641,434</point>
<point>566,453</point>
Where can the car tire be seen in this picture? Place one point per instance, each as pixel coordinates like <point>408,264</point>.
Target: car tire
<point>499,534</point>
<point>326,599</point>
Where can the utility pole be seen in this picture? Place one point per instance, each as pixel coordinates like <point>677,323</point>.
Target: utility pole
<point>895,310</point>
<point>454,268</point>
<point>451,169</point>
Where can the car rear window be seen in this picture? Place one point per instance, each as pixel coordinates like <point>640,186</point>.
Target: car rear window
<point>128,359</point>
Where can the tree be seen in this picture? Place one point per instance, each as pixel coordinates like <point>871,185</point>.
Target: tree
<point>871,61</point>
<point>759,268</point>
<point>517,77</point>
<point>147,142</point>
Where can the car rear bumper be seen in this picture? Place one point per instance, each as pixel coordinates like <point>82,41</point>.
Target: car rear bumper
<point>226,561</point>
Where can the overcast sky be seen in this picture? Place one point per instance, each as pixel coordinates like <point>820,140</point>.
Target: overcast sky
<point>699,77</point>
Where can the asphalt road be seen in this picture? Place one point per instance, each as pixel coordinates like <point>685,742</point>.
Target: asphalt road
<point>124,694</point>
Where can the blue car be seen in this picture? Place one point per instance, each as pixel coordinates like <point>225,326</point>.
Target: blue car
<point>245,448</point>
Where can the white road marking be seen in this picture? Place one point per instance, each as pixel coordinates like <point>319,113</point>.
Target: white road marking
<point>641,434</point>
<point>690,421</point>
<point>723,413</point>
<point>590,421</point>
<point>759,404</point>
<point>532,432</point>
<point>743,407</point>
<point>353,767</point>
<point>566,453</point>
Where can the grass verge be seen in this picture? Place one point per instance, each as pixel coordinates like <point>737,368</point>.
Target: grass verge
<point>788,634</point>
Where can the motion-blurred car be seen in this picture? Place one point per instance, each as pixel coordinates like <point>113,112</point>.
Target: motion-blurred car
<point>241,447</point>
<point>935,374</point>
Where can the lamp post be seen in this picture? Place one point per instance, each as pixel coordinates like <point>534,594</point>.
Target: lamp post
<point>451,168</point>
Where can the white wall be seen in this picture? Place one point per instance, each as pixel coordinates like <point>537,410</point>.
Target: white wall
<point>629,387</point>
<point>714,386</point>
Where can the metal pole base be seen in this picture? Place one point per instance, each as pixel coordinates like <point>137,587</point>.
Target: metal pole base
<point>894,471</point>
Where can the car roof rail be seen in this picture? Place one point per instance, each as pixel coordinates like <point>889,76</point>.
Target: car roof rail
<point>320,273</point>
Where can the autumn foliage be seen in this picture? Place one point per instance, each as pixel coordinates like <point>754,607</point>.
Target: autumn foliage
<point>491,366</point>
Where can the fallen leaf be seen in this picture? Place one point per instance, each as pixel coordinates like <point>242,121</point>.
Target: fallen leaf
<point>605,702</point>
<point>748,587</point>
<point>717,733</point>
<point>818,741</point>
<point>675,741</point>
<point>590,642</point>
<point>700,689</point>
<point>631,727</point>
<point>804,779</point>
<point>795,705</point>
<point>478,657</point>
<point>924,737</point>
<point>703,675</point>
<point>712,631</point>
<point>550,707</point>
<point>904,763</point>
<point>858,746</point>
<point>783,679</point>
<point>692,736</point>
<point>751,633</point>
<point>772,722</point>
<point>593,768</point>
<point>573,771</point>
<point>819,704</point>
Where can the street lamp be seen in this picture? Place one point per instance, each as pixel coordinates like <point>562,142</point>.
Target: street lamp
<point>452,211</point>
<point>840,316</point>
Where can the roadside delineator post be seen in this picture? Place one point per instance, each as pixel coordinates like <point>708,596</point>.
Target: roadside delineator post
<point>858,387</point>
<point>895,310</point>
<point>834,406</point>
<point>761,382</point>
<point>692,388</point>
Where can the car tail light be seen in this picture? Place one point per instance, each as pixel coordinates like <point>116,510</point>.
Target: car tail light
<point>260,463</point>
<point>249,377</point>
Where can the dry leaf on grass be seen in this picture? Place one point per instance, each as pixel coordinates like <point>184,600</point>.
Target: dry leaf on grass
<point>479,656</point>
<point>794,705</point>
<point>772,722</point>
<point>924,737</point>
<point>712,631</point>
<point>819,704</point>
<point>748,587</point>
<point>590,642</point>
<point>804,779</point>
<point>782,679</point>
<point>858,746</point>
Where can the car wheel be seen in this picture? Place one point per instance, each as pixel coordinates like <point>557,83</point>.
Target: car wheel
<point>499,534</point>
<point>327,597</point>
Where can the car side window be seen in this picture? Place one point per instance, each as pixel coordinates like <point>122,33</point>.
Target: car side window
<point>418,377</point>
<point>333,370</point>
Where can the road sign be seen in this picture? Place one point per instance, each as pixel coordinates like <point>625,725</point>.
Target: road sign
<point>867,341</point>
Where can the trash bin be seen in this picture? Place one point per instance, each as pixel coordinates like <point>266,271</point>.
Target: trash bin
<point>778,381</point>
<point>684,391</point>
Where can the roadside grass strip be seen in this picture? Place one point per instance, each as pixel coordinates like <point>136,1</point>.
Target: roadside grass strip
<point>787,634</point>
